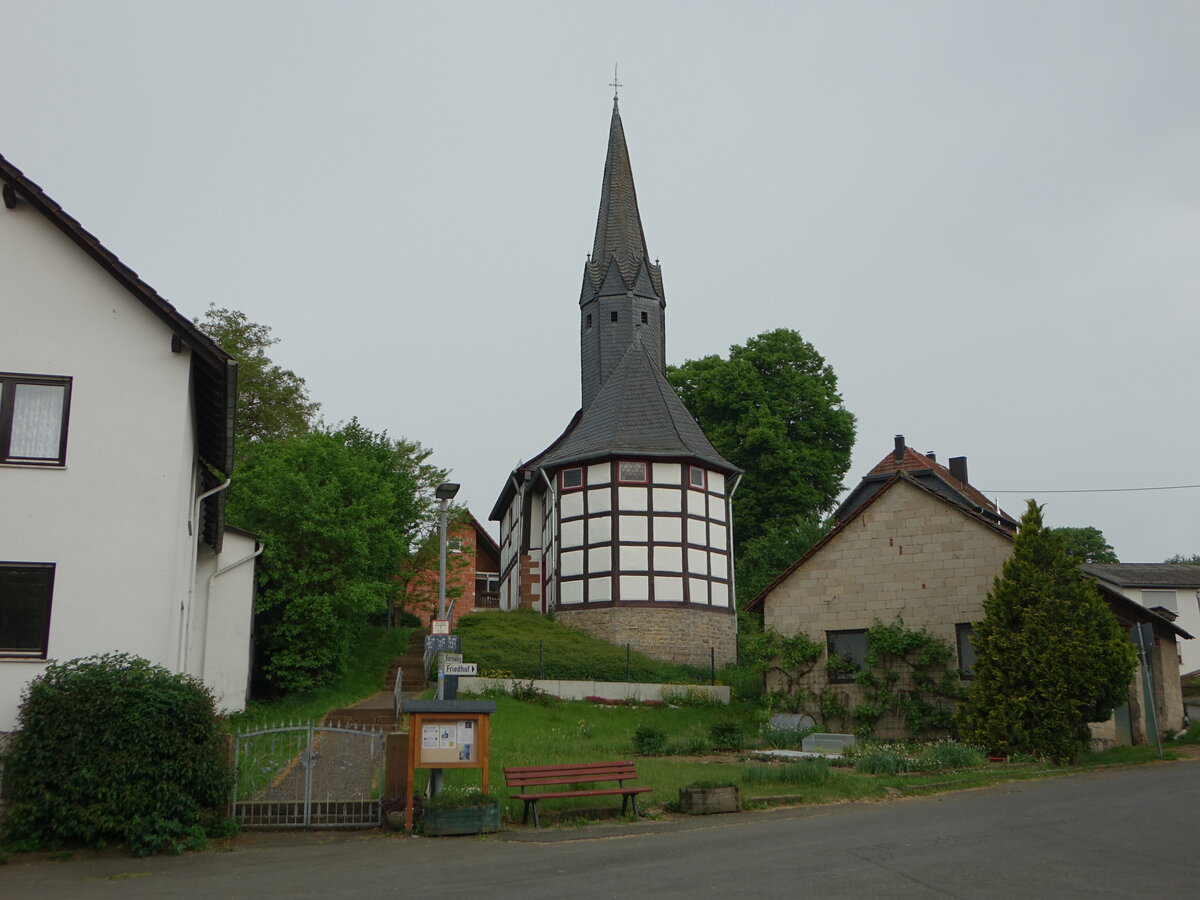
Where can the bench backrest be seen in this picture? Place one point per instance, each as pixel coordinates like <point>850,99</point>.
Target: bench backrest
<point>532,776</point>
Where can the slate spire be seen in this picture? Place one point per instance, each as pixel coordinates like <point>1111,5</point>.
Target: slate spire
<point>622,290</point>
<point>619,225</point>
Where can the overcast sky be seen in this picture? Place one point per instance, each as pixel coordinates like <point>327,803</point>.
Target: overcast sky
<point>984,215</point>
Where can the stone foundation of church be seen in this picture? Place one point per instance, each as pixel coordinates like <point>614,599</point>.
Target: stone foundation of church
<point>676,635</point>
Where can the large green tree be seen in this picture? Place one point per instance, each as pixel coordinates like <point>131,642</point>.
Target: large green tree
<point>1087,544</point>
<point>773,409</point>
<point>272,401</point>
<point>339,511</point>
<point>1050,656</point>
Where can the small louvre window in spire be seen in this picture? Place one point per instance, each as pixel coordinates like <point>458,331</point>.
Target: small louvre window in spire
<point>589,320</point>
<point>612,316</point>
<point>645,318</point>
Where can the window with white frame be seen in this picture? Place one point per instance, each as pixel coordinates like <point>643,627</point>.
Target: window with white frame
<point>572,479</point>
<point>26,590</point>
<point>33,419</point>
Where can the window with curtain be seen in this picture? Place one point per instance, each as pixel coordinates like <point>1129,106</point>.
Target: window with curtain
<point>33,419</point>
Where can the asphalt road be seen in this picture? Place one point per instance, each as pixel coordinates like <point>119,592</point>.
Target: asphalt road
<point>1117,833</point>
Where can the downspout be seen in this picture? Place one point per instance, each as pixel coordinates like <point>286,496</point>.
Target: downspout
<point>185,614</point>
<point>554,537</point>
<point>733,567</point>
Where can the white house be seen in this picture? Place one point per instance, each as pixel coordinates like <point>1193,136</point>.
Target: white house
<point>1173,589</point>
<point>116,442</point>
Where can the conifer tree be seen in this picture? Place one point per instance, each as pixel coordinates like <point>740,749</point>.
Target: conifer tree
<point>1050,656</point>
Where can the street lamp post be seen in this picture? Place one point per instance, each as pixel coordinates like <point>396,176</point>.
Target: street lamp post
<point>445,493</point>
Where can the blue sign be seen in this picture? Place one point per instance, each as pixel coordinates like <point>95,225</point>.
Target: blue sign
<point>448,643</point>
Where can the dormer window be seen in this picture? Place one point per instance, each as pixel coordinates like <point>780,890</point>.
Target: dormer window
<point>632,472</point>
<point>571,479</point>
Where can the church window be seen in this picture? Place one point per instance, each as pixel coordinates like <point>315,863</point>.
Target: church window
<point>632,472</point>
<point>572,479</point>
<point>612,316</point>
<point>696,477</point>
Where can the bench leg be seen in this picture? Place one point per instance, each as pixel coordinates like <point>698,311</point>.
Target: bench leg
<point>537,822</point>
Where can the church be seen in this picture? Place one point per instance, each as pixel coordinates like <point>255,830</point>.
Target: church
<point>621,527</point>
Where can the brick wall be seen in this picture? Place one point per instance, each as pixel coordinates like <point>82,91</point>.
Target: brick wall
<point>677,635</point>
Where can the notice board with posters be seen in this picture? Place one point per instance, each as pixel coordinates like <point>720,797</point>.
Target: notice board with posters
<point>446,734</point>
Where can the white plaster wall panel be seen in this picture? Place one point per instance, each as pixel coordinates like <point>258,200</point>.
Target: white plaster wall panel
<point>572,534</point>
<point>571,504</point>
<point>599,473</point>
<point>720,594</point>
<point>667,500</point>
<point>599,559</point>
<point>668,530</point>
<point>224,660</point>
<point>599,590</point>
<point>668,559</point>
<point>668,589</point>
<point>716,482</point>
<point>697,503</point>
<point>571,562</point>
<point>599,529</point>
<point>716,508</point>
<point>717,536</point>
<point>698,587</point>
<point>600,500</point>
<point>115,519</point>
<point>635,559</point>
<point>634,528</point>
<point>697,531</point>
<point>633,498</point>
<point>539,511</point>
<point>570,592</point>
<point>667,473</point>
<point>697,561</point>
<point>635,587</point>
<point>719,565</point>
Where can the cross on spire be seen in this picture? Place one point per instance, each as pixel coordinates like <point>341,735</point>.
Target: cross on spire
<point>615,84</point>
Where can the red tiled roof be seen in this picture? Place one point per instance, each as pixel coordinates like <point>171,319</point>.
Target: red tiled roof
<point>914,461</point>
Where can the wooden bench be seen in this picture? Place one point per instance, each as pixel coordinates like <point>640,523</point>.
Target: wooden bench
<point>531,780</point>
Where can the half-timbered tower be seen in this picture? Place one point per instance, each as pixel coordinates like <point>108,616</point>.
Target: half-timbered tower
<point>621,527</point>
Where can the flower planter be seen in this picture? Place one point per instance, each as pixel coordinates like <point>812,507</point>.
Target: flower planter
<point>465,820</point>
<point>709,800</point>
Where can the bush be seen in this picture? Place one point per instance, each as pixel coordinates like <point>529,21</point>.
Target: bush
<point>949,755</point>
<point>459,798</point>
<point>649,741</point>
<point>727,736</point>
<point>114,749</point>
<point>882,761</point>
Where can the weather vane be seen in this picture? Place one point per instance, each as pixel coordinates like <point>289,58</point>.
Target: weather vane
<point>615,85</point>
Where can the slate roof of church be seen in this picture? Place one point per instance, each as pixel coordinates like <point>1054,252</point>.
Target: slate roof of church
<point>635,412</point>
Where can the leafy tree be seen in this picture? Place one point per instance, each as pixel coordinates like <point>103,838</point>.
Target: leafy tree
<point>1087,544</point>
<point>773,409</point>
<point>115,749</point>
<point>272,401</point>
<point>1050,656</point>
<point>1193,560</point>
<point>338,510</point>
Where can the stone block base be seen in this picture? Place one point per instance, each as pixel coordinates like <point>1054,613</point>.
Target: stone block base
<point>686,636</point>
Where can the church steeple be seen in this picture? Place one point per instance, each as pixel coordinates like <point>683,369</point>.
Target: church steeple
<point>622,289</point>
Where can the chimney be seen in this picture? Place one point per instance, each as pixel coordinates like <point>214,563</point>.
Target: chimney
<point>931,455</point>
<point>958,468</point>
<point>899,453</point>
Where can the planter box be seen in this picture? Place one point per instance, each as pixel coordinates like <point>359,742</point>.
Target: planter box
<point>467,820</point>
<point>706,801</point>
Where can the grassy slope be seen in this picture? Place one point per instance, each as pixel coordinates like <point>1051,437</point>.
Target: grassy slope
<point>364,677</point>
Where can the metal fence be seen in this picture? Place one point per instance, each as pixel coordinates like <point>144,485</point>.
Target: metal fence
<point>308,776</point>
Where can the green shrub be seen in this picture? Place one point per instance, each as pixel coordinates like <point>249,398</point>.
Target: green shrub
<point>727,735</point>
<point>649,741</point>
<point>882,761</point>
<point>452,797</point>
<point>949,755</point>
<point>808,771</point>
<point>114,749</point>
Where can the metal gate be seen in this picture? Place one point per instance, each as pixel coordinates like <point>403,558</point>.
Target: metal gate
<point>308,776</point>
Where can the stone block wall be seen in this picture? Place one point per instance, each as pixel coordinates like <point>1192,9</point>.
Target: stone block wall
<point>674,634</point>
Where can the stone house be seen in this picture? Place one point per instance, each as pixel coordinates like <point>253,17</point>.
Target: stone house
<point>116,445</point>
<point>914,541</point>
